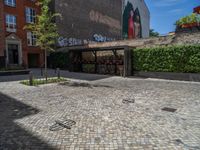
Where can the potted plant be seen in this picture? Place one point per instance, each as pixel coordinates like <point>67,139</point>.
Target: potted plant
<point>188,21</point>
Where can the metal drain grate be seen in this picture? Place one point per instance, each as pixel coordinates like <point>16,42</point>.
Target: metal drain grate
<point>61,124</point>
<point>127,101</point>
<point>178,142</point>
<point>169,109</point>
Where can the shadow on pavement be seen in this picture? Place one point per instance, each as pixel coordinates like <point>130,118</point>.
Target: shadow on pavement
<point>37,73</point>
<point>13,136</point>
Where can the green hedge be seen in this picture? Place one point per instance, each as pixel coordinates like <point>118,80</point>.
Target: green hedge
<point>167,59</point>
<point>59,60</point>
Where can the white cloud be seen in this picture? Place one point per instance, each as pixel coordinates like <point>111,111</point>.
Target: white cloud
<point>164,3</point>
<point>176,11</point>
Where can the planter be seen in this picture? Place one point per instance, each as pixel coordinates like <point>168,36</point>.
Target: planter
<point>191,29</point>
<point>14,72</point>
<point>189,25</point>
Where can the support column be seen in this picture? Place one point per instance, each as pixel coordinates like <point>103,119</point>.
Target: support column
<point>127,62</point>
<point>95,59</point>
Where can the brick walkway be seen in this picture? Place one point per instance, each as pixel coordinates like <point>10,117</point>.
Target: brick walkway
<point>103,121</point>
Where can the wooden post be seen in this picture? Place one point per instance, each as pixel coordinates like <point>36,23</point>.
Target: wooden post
<point>115,56</point>
<point>95,60</point>
<point>58,73</point>
<point>31,78</point>
<point>127,62</point>
<point>45,53</point>
<point>41,71</point>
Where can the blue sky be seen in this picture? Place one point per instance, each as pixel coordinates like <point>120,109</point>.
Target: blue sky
<point>164,13</point>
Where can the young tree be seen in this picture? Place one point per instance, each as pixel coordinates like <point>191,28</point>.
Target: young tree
<point>152,33</point>
<point>45,29</point>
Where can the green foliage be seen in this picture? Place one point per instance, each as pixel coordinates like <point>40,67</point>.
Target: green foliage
<point>42,81</point>
<point>152,33</point>
<point>168,59</point>
<point>90,68</point>
<point>59,60</point>
<point>45,28</point>
<point>193,18</point>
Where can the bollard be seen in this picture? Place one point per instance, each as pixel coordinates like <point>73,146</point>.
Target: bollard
<point>30,78</point>
<point>41,71</point>
<point>58,73</point>
<point>121,71</point>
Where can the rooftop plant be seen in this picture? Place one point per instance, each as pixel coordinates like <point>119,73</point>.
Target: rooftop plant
<point>188,20</point>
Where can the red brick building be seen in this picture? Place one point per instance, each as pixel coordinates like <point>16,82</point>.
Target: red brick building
<point>17,46</point>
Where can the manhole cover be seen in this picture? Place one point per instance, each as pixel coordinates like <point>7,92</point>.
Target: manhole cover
<point>61,124</point>
<point>127,101</point>
<point>169,109</point>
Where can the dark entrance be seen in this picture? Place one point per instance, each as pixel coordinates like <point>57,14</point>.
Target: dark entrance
<point>13,53</point>
<point>104,60</point>
<point>33,60</point>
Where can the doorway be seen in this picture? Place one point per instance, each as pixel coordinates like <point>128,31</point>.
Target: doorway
<point>13,54</point>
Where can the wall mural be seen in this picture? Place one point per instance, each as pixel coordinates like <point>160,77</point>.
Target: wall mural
<point>131,22</point>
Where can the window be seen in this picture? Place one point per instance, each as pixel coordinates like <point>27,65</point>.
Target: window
<point>11,23</point>
<point>11,3</point>
<point>31,39</point>
<point>30,15</point>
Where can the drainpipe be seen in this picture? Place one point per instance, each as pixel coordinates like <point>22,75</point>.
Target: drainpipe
<point>5,59</point>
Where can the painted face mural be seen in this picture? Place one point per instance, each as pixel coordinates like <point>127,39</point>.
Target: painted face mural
<point>131,22</point>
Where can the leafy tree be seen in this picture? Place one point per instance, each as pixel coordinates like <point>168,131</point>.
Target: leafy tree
<point>45,29</point>
<point>152,33</point>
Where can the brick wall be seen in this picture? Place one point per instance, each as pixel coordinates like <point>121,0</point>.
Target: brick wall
<point>84,18</point>
<point>177,39</point>
<point>2,41</point>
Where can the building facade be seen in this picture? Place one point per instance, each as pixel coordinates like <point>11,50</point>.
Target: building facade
<point>83,22</point>
<point>88,21</point>
<point>18,46</point>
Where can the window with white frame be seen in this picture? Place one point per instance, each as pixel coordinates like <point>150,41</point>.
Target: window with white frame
<point>31,39</point>
<point>11,3</point>
<point>30,15</point>
<point>11,23</point>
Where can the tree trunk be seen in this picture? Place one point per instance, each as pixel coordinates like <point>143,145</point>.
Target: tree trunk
<point>45,63</point>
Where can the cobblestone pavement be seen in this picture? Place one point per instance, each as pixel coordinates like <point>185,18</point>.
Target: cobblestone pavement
<point>103,121</point>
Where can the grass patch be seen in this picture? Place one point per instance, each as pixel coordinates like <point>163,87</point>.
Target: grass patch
<point>43,81</point>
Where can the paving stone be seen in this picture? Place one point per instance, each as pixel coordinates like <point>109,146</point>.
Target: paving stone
<point>103,121</point>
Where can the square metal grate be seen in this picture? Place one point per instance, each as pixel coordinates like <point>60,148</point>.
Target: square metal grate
<point>61,124</point>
